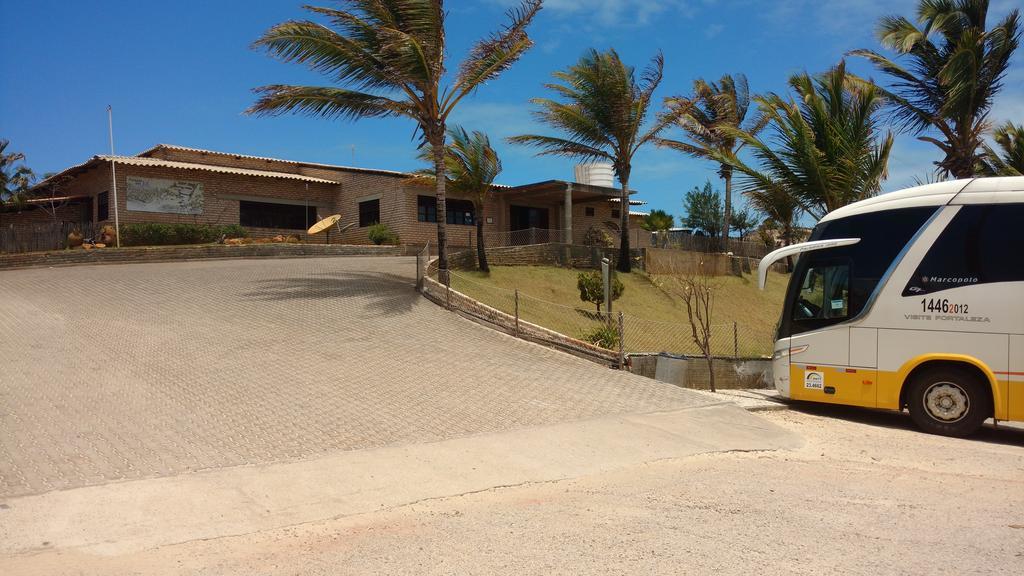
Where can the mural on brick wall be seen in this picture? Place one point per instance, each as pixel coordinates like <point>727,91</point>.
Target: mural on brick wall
<point>167,196</point>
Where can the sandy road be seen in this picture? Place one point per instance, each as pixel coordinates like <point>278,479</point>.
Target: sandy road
<point>867,494</point>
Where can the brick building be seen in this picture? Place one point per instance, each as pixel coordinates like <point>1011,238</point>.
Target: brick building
<point>271,196</point>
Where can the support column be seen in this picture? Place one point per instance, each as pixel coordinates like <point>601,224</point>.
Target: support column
<point>567,214</point>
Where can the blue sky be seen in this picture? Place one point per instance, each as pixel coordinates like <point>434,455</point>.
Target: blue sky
<point>181,73</point>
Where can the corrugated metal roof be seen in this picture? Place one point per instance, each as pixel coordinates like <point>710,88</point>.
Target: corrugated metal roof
<point>158,163</point>
<point>270,159</point>
<point>631,201</point>
<point>635,213</point>
<point>380,171</point>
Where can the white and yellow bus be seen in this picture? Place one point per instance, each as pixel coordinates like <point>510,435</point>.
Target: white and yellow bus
<point>913,299</point>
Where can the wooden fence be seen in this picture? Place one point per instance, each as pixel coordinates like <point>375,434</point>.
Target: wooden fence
<point>42,236</point>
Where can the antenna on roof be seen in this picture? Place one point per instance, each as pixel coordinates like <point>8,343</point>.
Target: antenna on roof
<point>353,154</point>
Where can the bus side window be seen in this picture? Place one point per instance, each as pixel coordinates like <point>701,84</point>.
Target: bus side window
<point>981,245</point>
<point>824,293</point>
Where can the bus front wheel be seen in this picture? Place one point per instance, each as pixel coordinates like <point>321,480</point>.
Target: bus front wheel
<point>949,400</point>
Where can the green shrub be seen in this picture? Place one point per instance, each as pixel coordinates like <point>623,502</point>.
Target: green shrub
<point>234,231</point>
<point>157,234</point>
<point>597,237</point>
<point>381,234</point>
<point>606,336</point>
<point>591,287</point>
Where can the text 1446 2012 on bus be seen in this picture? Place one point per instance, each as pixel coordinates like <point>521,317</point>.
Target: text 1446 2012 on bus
<point>913,299</point>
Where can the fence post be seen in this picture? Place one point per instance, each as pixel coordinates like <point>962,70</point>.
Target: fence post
<point>622,345</point>
<point>447,290</point>
<point>606,286</point>
<point>735,342</point>
<point>517,312</point>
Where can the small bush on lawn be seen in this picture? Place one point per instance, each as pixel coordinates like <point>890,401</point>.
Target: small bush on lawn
<point>156,234</point>
<point>591,287</point>
<point>381,234</point>
<point>606,336</point>
<point>597,237</point>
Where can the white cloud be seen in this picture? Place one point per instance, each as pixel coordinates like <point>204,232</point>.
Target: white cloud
<point>713,30</point>
<point>497,119</point>
<point>605,13</point>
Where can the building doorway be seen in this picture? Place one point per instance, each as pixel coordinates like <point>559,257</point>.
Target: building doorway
<point>523,217</point>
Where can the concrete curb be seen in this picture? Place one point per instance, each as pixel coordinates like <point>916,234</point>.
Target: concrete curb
<point>130,255</point>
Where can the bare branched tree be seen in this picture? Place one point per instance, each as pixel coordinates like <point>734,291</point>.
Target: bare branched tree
<point>53,194</point>
<point>697,291</point>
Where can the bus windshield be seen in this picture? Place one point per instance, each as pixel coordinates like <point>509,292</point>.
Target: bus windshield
<point>835,284</point>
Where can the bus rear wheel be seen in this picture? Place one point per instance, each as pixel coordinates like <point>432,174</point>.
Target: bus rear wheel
<point>949,401</point>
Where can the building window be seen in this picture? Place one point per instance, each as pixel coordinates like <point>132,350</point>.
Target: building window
<point>273,215</point>
<point>426,209</point>
<point>458,211</point>
<point>589,211</point>
<point>369,213</point>
<point>102,206</point>
<point>615,212</point>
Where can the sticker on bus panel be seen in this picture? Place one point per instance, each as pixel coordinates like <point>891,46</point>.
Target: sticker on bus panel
<point>814,380</point>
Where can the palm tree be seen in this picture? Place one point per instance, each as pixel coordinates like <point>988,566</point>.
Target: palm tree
<point>602,117</point>
<point>824,147</point>
<point>779,206</point>
<point>702,117</point>
<point>472,164</point>
<point>388,59</point>
<point>955,70</point>
<point>15,178</point>
<point>1010,139</point>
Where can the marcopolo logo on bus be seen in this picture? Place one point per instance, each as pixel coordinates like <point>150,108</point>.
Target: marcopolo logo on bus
<point>814,380</point>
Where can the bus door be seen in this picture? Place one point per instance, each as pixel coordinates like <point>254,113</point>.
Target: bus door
<point>820,349</point>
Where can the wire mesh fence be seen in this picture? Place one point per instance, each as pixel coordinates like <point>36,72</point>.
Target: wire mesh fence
<point>524,237</point>
<point>728,339</point>
<point>616,332</point>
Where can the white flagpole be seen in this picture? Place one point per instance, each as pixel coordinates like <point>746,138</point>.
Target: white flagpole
<point>113,174</point>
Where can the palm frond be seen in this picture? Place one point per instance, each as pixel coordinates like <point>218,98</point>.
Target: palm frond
<point>491,56</point>
<point>951,68</point>
<point>325,102</point>
<point>552,146</point>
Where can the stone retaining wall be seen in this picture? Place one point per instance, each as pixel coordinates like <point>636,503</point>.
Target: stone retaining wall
<point>690,372</point>
<point>551,254</point>
<point>196,252</point>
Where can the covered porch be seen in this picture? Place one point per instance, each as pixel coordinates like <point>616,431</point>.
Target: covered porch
<point>566,209</point>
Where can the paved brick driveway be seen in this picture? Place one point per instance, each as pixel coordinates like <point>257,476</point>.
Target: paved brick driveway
<point>131,371</point>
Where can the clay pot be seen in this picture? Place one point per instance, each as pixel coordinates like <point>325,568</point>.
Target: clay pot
<point>75,239</point>
<point>108,235</point>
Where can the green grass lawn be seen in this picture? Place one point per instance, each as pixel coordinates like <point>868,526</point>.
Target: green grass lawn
<point>656,320</point>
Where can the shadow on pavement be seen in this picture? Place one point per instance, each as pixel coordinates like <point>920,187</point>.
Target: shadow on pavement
<point>388,294</point>
<point>1011,435</point>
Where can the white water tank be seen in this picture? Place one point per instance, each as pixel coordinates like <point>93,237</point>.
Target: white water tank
<point>596,174</point>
